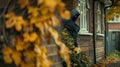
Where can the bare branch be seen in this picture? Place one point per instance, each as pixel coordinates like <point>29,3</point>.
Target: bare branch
<point>5,9</point>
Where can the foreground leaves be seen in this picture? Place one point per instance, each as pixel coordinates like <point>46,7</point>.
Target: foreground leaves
<point>31,32</point>
<point>113,11</point>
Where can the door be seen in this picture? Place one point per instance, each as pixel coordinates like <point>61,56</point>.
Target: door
<point>113,41</point>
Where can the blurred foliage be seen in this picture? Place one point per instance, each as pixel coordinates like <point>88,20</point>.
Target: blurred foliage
<point>78,58</point>
<point>114,10</point>
<point>112,58</point>
<point>67,39</point>
<point>115,55</point>
<point>33,28</point>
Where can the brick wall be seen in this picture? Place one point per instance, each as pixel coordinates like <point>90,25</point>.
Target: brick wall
<point>86,44</point>
<point>114,26</point>
<point>54,56</point>
<point>86,41</point>
<point>99,48</point>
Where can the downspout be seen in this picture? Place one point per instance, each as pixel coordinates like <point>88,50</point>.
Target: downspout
<point>94,33</point>
<point>106,32</point>
<point>106,29</point>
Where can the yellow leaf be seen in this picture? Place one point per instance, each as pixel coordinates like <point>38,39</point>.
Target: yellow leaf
<point>26,37</point>
<point>51,3</point>
<point>44,50</point>
<point>31,64</point>
<point>29,56</point>
<point>19,47</point>
<point>23,3</point>
<point>33,11</point>
<point>77,49</point>
<point>33,20</point>
<point>60,7</point>
<point>42,58</point>
<point>45,11</point>
<point>18,27</point>
<point>16,56</point>
<point>63,49</point>
<point>18,43</point>
<point>37,49</point>
<point>54,33</point>
<point>11,14</point>
<point>55,21</point>
<point>65,14</point>
<point>6,50</point>
<point>47,63</point>
<point>9,23</point>
<point>33,37</point>
<point>26,45</point>
<point>46,25</point>
<point>13,20</point>
<point>19,21</point>
<point>7,59</point>
<point>38,41</point>
<point>40,1</point>
<point>40,27</point>
<point>28,28</point>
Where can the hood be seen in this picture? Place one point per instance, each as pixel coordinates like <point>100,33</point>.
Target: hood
<point>74,14</point>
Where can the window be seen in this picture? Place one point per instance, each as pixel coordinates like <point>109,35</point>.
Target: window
<point>83,6</point>
<point>98,17</point>
<point>116,19</point>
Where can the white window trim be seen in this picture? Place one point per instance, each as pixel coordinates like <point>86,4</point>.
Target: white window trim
<point>86,33</point>
<point>113,21</point>
<point>83,17</point>
<point>116,20</point>
<point>99,19</point>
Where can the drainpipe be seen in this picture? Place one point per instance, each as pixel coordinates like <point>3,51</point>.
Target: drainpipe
<point>94,33</point>
<point>106,29</point>
<point>106,33</point>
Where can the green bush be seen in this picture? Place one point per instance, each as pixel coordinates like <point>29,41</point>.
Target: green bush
<point>78,58</point>
<point>115,55</point>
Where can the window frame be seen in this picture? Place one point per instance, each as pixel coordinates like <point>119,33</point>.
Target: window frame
<point>115,19</point>
<point>98,15</point>
<point>84,7</point>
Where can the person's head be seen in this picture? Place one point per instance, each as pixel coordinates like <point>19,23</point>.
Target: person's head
<point>74,14</point>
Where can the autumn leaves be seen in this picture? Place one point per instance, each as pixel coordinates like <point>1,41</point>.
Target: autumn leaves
<point>27,49</point>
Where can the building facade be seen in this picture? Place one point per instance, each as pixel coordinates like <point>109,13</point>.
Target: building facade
<point>91,32</point>
<point>113,35</point>
<point>91,22</point>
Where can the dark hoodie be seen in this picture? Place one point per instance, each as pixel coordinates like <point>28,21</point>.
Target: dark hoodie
<point>73,28</point>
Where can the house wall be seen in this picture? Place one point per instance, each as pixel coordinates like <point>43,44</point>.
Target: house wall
<point>86,44</point>
<point>53,55</point>
<point>113,35</point>
<point>85,41</point>
<point>114,26</point>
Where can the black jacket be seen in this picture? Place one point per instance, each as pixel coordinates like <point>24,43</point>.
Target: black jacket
<point>72,28</point>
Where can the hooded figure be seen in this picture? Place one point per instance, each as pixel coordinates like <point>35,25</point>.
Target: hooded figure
<point>72,27</point>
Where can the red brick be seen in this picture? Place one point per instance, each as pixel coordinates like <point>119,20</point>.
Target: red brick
<point>114,26</point>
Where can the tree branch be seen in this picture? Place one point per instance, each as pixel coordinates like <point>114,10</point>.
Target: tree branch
<point>5,9</point>
<point>3,20</point>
